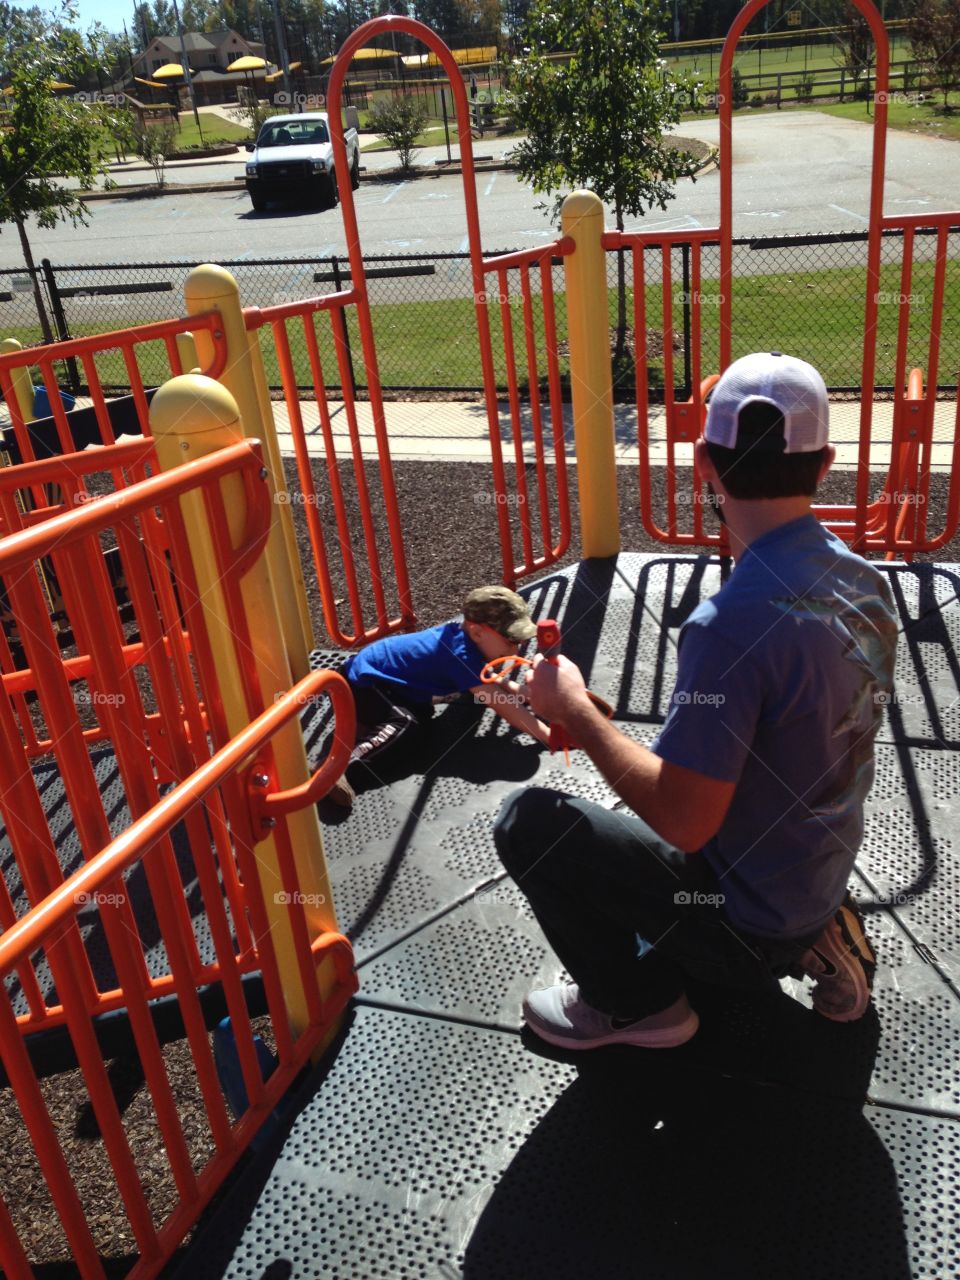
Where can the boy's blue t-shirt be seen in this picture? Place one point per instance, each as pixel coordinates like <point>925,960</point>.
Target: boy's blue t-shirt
<point>777,690</point>
<point>421,666</point>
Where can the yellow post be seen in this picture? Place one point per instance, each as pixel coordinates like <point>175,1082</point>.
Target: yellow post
<point>190,417</point>
<point>211,288</point>
<point>22,382</point>
<point>187,350</point>
<point>590,377</point>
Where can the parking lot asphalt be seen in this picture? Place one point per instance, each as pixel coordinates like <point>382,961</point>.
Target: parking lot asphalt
<point>795,173</point>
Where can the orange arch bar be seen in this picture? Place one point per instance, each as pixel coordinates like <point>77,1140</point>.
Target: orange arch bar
<point>882,79</point>
<point>479,269</point>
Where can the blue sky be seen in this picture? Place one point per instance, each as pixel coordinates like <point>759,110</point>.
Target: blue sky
<point>112,13</point>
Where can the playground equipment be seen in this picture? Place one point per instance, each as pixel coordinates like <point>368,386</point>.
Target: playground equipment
<point>156,704</point>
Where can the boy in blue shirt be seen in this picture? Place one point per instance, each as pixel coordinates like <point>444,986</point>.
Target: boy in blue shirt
<point>750,802</point>
<point>397,681</point>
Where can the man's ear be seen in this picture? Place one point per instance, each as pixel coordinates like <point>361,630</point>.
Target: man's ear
<point>829,457</point>
<point>473,629</point>
<point>704,464</point>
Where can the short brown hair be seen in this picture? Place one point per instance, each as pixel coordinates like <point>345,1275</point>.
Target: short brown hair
<point>761,468</point>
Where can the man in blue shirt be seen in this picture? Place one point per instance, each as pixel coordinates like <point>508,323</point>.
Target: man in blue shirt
<point>750,803</point>
<point>397,681</point>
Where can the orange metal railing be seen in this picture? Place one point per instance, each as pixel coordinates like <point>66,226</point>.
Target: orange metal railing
<point>153,699</point>
<point>52,927</point>
<point>553,542</point>
<point>684,420</point>
<point>360,628</point>
<point>892,517</point>
<point>896,520</point>
<point>124,345</point>
<point>26,499</point>
<point>119,932</point>
<point>552,500</point>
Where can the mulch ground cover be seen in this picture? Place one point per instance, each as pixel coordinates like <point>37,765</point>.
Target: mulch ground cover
<point>449,516</point>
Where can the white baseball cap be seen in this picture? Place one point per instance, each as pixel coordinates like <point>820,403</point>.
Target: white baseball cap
<point>791,386</point>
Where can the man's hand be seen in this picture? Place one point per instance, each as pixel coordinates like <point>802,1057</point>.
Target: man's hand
<point>684,807</point>
<point>556,690</point>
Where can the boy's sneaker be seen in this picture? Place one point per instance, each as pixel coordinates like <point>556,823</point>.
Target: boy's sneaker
<point>559,1016</point>
<point>843,963</point>
<point>341,793</point>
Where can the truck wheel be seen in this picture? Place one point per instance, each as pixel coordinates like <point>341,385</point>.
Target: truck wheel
<point>259,204</point>
<point>355,172</point>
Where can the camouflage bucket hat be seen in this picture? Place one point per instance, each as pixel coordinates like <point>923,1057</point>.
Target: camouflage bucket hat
<point>501,609</point>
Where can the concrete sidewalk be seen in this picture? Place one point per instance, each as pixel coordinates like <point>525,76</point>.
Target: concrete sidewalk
<point>442,431</point>
<point>454,431</point>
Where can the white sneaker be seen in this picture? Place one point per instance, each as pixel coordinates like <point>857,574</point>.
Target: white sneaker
<point>559,1016</point>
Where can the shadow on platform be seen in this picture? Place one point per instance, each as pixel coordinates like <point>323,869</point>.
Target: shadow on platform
<point>643,1168</point>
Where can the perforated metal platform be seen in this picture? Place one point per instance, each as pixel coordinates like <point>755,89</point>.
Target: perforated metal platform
<point>436,1141</point>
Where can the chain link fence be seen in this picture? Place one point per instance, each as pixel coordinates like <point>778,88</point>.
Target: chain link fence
<point>802,294</point>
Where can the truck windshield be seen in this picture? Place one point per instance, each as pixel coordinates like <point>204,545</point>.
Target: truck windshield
<point>293,133</point>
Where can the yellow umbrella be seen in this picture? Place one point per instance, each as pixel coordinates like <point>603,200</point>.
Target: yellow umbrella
<point>247,63</point>
<point>169,71</point>
<point>278,75</point>
<point>461,56</point>
<point>51,84</point>
<point>153,84</point>
<point>366,55</point>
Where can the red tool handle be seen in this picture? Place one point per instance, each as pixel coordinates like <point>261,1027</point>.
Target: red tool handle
<point>548,642</point>
<point>548,637</point>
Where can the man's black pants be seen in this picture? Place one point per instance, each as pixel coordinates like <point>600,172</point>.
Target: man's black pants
<point>629,916</point>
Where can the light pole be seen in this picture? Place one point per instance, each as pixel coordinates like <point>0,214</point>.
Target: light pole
<point>282,57</point>
<point>186,69</point>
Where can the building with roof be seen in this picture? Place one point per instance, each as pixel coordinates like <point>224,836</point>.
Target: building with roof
<point>206,50</point>
<point>209,53</point>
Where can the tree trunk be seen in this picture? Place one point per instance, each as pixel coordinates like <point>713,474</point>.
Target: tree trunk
<point>35,278</point>
<point>621,294</point>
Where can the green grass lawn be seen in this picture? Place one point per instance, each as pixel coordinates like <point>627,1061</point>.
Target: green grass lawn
<point>817,315</point>
<point>903,112</point>
<point>926,116</point>
<point>215,129</point>
<point>754,59</point>
<point>433,136</point>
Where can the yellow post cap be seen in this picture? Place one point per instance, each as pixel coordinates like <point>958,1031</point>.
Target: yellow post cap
<point>582,204</point>
<point>208,283</point>
<point>192,403</point>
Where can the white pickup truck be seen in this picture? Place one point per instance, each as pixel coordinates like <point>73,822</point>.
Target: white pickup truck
<point>293,160</point>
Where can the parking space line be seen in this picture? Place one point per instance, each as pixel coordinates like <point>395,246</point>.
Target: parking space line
<point>840,209</point>
<point>396,190</point>
<point>489,186</point>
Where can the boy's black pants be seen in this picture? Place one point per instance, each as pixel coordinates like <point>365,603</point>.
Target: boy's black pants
<point>384,721</point>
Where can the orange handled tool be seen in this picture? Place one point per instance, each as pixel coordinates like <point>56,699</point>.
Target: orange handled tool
<point>548,642</point>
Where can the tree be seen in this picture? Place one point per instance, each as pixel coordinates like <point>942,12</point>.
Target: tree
<point>155,142</point>
<point>934,27</point>
<point>48,139</point>
<point>401,122</point>
<point>854,39</point>
<point>598,120</point>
